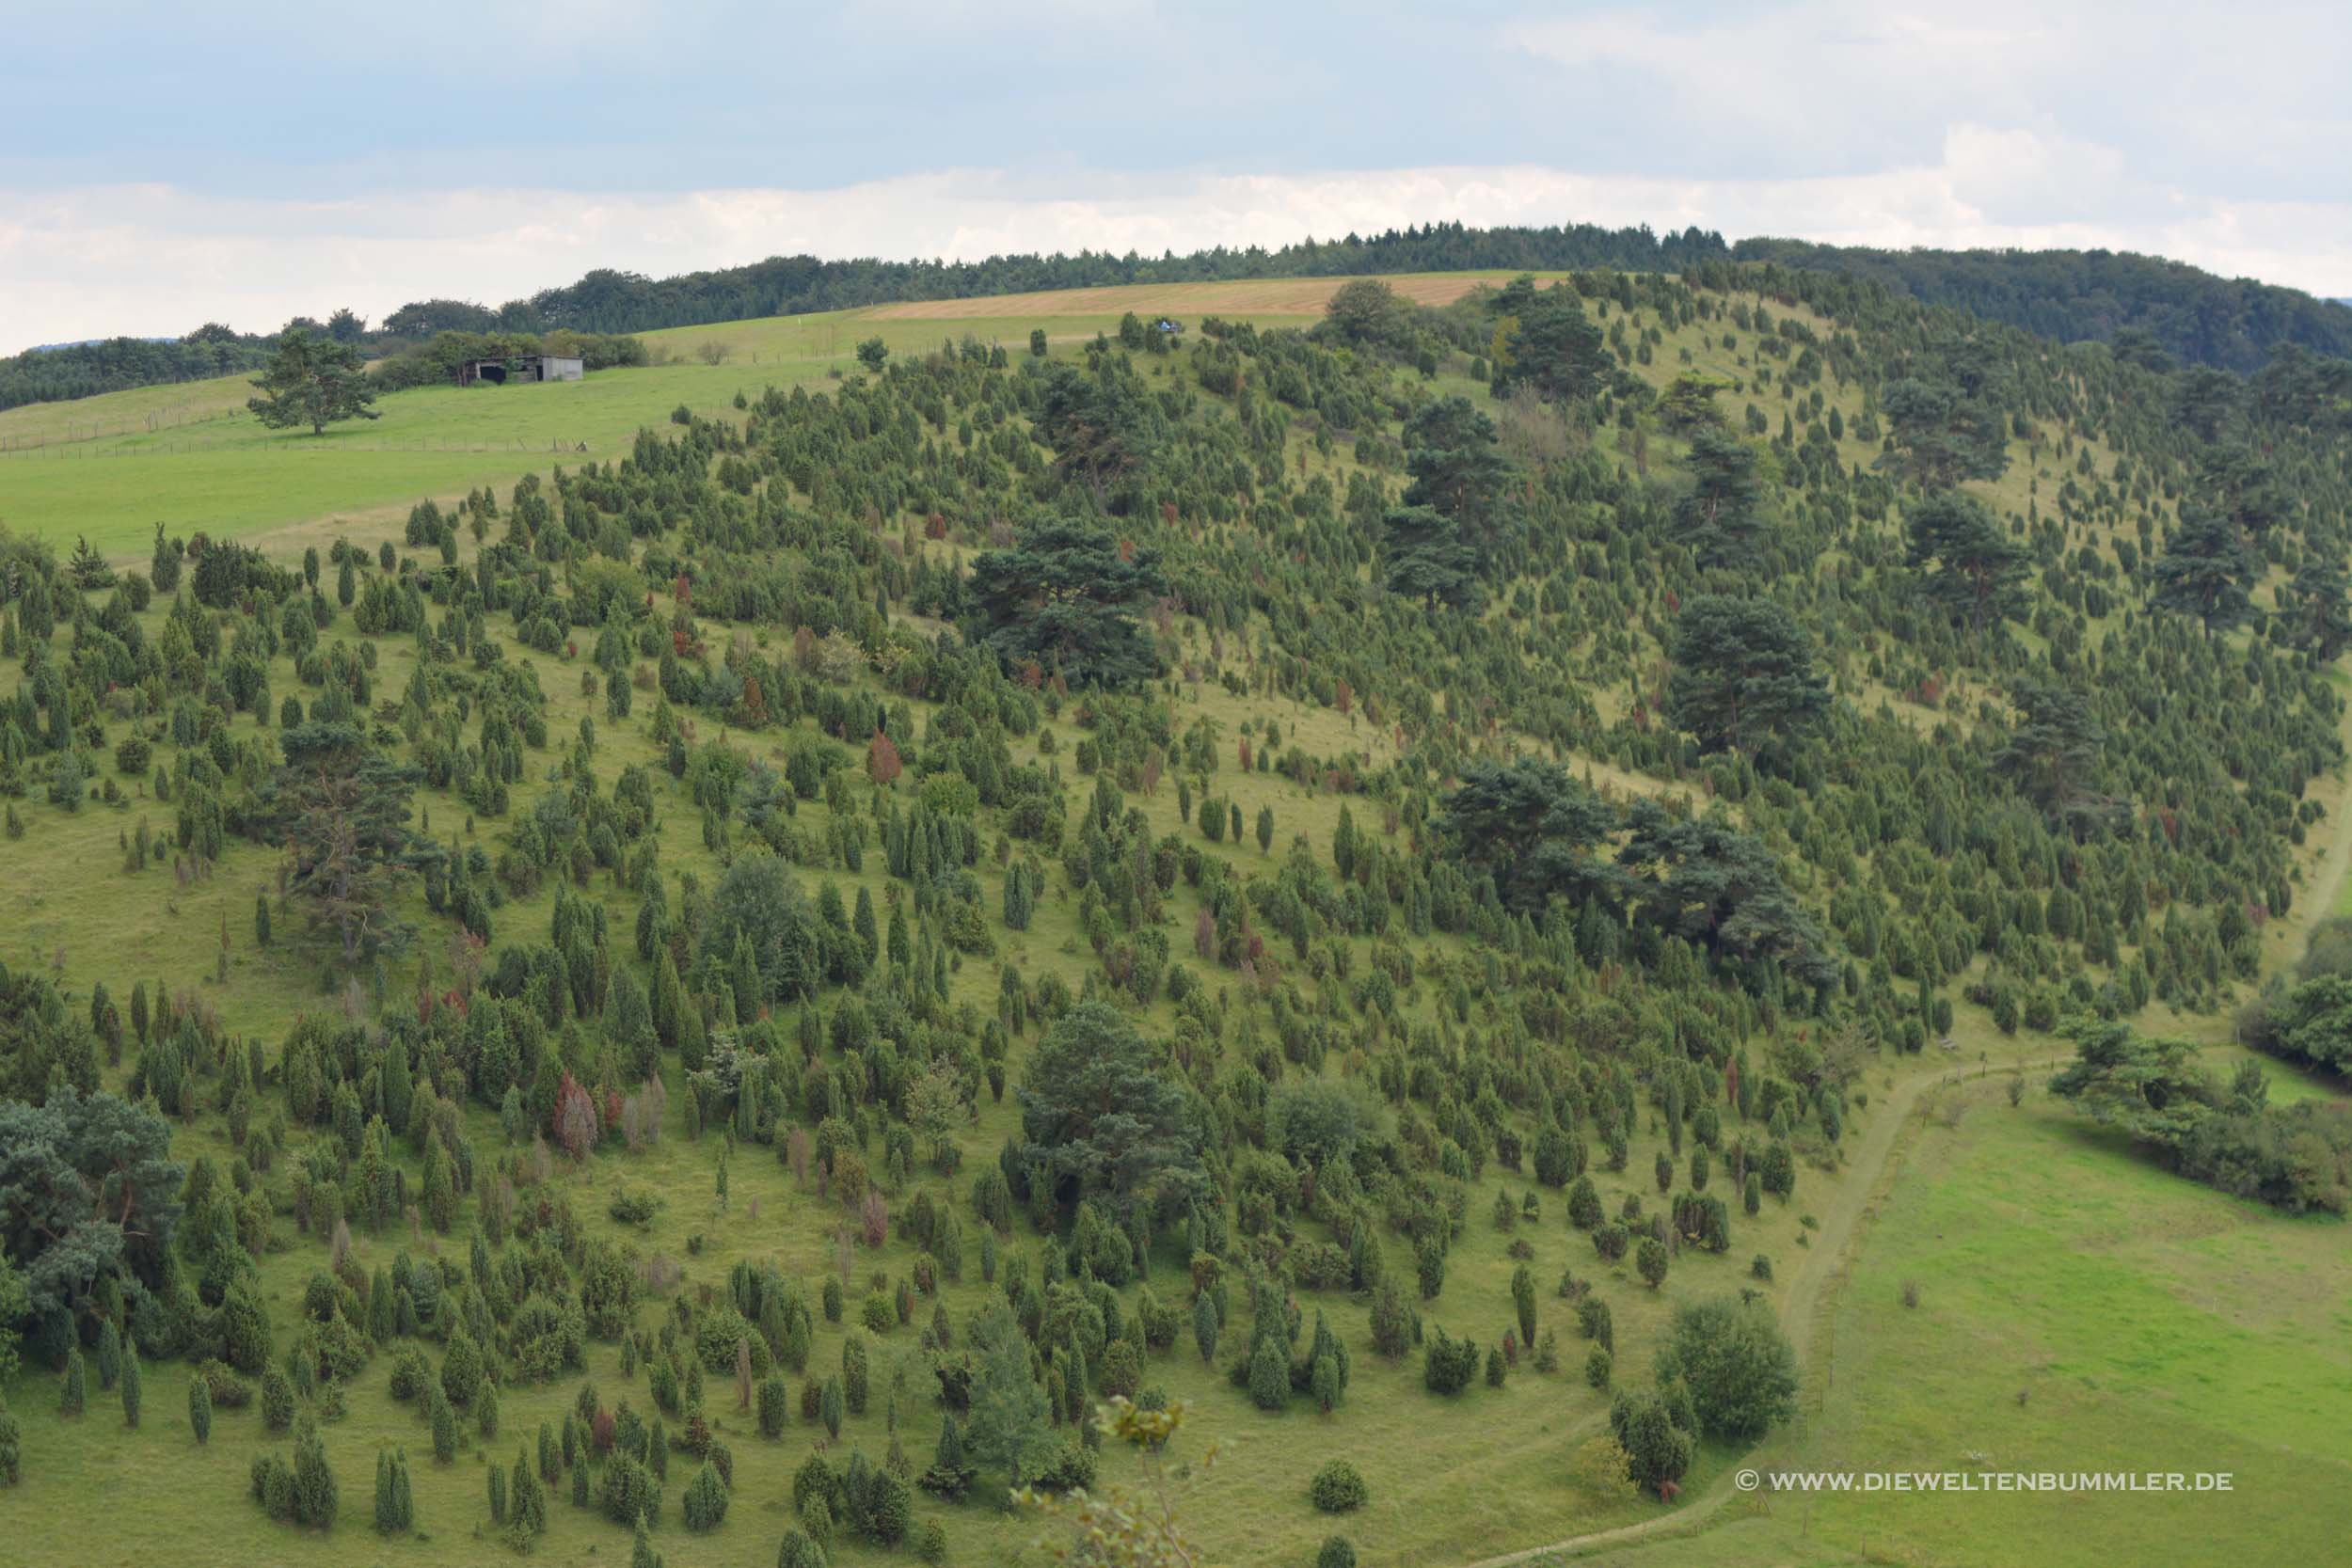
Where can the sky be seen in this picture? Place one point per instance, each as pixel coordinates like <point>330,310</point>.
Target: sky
<point>255,161</point>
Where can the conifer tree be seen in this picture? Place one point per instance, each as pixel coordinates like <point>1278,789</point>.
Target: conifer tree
<point>73,1389</point>
<point>314,1491</point>
<point>403,1495</point>
<point>526,1497</point>
<point>444,1428</point>
<point>386,1500</point>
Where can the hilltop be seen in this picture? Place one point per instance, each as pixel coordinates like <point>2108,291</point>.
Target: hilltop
<point>2169,306</point>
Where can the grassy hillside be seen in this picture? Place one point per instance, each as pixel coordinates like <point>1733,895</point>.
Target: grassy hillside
<point>828,539</point>
<point>2075,1310</point>
<point>188,455</point>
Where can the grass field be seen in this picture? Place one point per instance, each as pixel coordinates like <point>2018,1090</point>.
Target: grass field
<point>110,468</point>
<point>2078,1310</point>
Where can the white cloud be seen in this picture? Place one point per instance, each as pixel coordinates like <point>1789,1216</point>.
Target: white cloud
<point>2239,97</point>
<point>157,259</point>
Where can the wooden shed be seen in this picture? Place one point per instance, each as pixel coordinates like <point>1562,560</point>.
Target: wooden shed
<point>521,367</point>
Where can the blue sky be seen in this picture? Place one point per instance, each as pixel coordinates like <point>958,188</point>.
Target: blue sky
<point>251,160</point>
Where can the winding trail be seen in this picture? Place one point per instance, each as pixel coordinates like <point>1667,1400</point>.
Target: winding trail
<point>1813,1291</point>
<point>1808,1310</point>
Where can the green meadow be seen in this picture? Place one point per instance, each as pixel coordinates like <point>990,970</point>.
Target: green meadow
<point>2078,1310</point>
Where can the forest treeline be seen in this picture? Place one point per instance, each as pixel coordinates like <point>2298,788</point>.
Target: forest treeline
<point>2141,304</point>
<point>2146,306</point>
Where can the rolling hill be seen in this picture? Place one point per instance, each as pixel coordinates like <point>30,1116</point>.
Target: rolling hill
<point>759,932</point>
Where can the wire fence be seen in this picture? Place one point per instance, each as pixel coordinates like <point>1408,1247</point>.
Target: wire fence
<point>82,451</point>
<point>178,415</point>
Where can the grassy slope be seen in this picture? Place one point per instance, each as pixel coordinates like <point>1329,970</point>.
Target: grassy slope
<point>111,466</point>
<point>2078,1310</point>
<point>1503,1450</point>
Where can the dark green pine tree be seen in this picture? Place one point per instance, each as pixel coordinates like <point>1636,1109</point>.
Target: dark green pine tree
<point>1745,678</point>
<point>1064,599</point>
<point>73,1388</point>
<point>2052,755</point>
<point>1548,344</point>
<point>1979,572</point>
<point>1531,825</point>
<point>2206,571</point>
<point>2315,609</point>
<point>1718,516</point>
<point>1459,472</point>
<point>314,381</point>
<point>1425,559</point>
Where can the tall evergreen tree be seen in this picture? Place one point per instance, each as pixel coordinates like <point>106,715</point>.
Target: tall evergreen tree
<point>314,381</point>
<point>2206,571</point>
<point>1719,515</point>
<point>1744,675</point>
<point>1534,829</point>
<point>1065,596</point>
<point>2315,607</point>
<point>1979,571</point>
<point>1547,342</point>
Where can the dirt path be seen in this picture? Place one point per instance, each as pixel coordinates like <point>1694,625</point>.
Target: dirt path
<point>1811,1303</point>
<point>1808,1311</point>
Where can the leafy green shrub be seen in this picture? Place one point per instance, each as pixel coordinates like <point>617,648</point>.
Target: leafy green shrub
<point>626,1490</point>
<point>1659,1452</point>
<point>704,1505</point>
<point>1337,1488</point>
<point>1270,1375</point>
<point>633,1204</point>
<point>1737,1366</point>
<point>1449,1363</point>
<point>278,1402</point>
<point>1071,1465</point>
